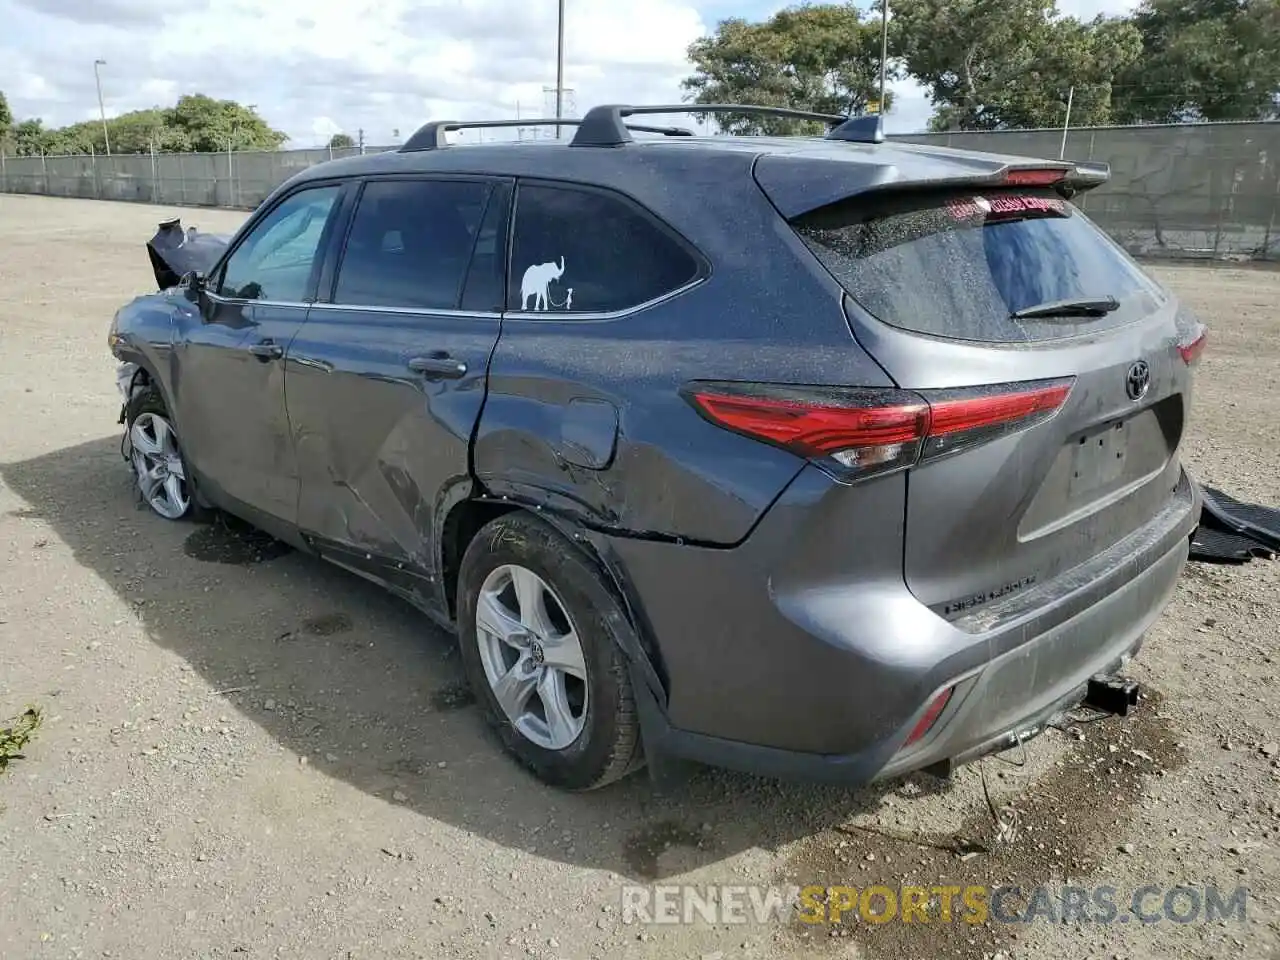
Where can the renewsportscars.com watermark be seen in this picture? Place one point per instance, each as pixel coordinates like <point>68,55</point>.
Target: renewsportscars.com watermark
<point>974,904</point>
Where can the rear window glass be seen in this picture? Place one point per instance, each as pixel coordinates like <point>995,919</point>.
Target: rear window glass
<point>957,265</point>
<point>589,251</point>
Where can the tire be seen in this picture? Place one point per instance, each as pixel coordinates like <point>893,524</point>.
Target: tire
<point>607,746</point>
<point>175,498</point>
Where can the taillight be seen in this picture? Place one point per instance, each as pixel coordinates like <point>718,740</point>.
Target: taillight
<point>1190,350</point>
<point>967,418</point>
<point>1033,178</point>
<point>856,433</point>
<point>931,714</point>
<point>862,432</point>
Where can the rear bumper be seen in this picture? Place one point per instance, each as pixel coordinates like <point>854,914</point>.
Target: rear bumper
<point>802,675</point>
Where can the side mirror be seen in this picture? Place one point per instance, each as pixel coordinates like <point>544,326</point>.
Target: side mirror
<point>193,285</point>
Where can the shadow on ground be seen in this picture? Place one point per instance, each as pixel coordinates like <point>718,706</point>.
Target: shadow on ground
<point>364,687</point>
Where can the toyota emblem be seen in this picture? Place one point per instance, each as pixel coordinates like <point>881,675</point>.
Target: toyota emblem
<point>1138,380</point>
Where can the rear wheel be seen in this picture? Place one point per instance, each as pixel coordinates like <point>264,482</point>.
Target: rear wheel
<point>156,457</point>
<point>543,657</point>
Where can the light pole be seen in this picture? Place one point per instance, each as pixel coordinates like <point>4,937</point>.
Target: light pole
<point>102,111</point>
<point>560,67</point>
<point>884,49</point>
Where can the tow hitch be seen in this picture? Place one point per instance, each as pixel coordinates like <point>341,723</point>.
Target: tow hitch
<point>1111,694</point>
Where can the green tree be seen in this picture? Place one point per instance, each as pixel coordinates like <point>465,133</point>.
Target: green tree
<point>1203,60</point>
<point>141,131</point>
<point>6,118</point>
<point>339,140</point>
<point>992,64</point>
<point>820,57</point>
<point>195,123</point>
<point>29,138</point>
<point>212,125</point>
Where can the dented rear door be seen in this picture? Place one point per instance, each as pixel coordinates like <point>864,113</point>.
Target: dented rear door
<point>386,380</point>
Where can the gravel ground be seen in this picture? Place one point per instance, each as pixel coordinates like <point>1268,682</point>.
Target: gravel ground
<point>248,752</point>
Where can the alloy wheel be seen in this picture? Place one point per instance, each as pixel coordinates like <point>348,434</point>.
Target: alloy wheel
<point>532,657</point>
<point>162,478</point>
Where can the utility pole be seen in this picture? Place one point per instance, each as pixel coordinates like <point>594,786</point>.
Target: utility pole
<point>884,49</point>
<point>1066,122</point>
<point>360,135</point>
<point>102,111</point>
<point>560,68</point>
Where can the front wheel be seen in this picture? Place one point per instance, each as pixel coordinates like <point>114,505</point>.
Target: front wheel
<point>543,657</point>
<point>155,456</point>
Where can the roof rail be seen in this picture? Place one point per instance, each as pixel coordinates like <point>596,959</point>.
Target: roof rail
<point>603,126</point>
<point>431,136</point>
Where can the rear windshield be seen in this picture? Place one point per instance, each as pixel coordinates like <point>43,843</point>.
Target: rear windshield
<point>957,265</point>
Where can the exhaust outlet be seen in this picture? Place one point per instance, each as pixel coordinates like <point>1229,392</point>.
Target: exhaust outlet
<point>1112,694</point>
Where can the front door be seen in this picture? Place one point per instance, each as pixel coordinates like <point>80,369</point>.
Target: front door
<point>387,378</point>
<point>229,394</point>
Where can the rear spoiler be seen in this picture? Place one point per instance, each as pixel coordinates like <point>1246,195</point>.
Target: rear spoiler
<point>797,185</point>
<point>1085,175</point>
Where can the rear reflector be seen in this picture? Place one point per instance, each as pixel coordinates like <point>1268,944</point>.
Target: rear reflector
<point>856,433</point>
<point>1033,178</point>
<point>930,717</point>
<point>1192,349</point>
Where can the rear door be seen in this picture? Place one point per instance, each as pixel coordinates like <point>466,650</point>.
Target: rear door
<point>943,291</point>
<point>387,378</point>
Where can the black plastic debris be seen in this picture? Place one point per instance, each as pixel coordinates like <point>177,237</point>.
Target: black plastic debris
<point>1234,532</point>
<point>175,252</point>
<point>1209,545</point>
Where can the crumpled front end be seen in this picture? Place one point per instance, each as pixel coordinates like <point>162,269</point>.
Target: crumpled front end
<point>175,252</point>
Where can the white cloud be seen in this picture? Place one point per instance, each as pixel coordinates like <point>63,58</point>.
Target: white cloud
<point>323,128</point>
<point>309,65</point>
<point>313,66</point>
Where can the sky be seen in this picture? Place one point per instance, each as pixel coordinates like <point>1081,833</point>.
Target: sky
<point>316,67</point>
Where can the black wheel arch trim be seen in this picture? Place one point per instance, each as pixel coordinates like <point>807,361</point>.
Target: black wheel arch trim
<point>636,639</point>
<point>146,367</point>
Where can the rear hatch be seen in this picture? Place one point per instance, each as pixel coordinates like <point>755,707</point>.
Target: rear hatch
<point>1057,372</point>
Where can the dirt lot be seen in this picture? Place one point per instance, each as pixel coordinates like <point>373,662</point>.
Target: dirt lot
<point>255,754</point>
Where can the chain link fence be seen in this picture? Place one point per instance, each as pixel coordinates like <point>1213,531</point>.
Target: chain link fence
<point>238,180</point>
<point>1209,190</point>
<point>1206,190</point>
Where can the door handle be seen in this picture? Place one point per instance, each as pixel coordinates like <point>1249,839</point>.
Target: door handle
<point>266,350</point>
<point>438,367</point>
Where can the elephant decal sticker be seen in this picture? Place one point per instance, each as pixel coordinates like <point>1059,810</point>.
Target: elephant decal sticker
<point>536,284</point>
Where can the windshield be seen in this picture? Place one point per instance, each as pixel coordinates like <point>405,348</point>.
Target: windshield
<point>958,265</point>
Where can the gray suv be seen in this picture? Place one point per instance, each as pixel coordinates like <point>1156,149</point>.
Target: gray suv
<point>819,457</point>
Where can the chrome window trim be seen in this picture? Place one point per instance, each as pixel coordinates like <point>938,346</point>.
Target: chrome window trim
<point>409,311</point>
<point>530,315</point>
<point>543,315</point>
<point>241,301</point>
<point>534,315</point>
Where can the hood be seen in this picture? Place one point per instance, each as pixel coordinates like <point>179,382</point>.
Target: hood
<point>175,252</point>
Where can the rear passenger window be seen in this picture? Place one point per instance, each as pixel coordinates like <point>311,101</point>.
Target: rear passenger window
<point>410,243</point>
<point>586,251</point>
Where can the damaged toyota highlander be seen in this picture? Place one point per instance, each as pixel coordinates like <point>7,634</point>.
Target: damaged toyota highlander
<point>819,457</point>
